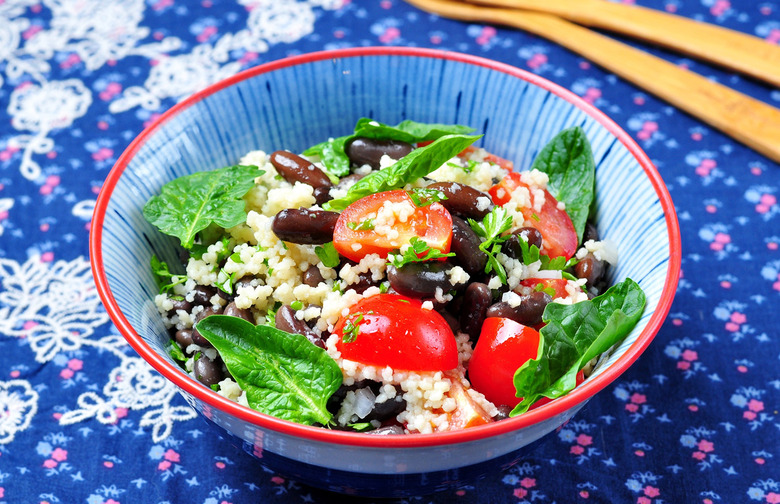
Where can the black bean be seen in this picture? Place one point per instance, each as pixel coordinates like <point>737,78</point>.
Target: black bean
<point>286,321</point>
<point>451,320</point>
<point>512,247</point>
<point>179,304</point>
<point>365,280</point>
<point>387,409</point>
<point>294,168</point>
<point>590,268</point>
<point>304,226</point>
<point>420,279</point>
<point>369,151</point>
<point>465,245</point>
<point>528,312</point>
<point>590,233</point>
<point>312,276</point>
<point>184,338</point>
<point>198,338</point>
<point>232,310</point>
<point>244,282</point>
<point>207,371</point>
<point>387,430</point>
<point>202,295</point>
<point>464,200</point>
<point>476,301</point>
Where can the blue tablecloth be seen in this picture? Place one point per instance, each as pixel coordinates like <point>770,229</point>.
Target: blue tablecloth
<point>83,420</point>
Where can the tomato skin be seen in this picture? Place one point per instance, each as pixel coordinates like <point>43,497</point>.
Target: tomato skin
<point>431,223</point>
<point>396,331</point>
<point>560,238</point>
<point>556,284</point>
<point>503,346</point>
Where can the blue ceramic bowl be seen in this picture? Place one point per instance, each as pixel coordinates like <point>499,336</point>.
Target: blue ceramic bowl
<point>297,102</point>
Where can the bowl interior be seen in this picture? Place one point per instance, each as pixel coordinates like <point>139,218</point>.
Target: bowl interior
<point>298,102</point>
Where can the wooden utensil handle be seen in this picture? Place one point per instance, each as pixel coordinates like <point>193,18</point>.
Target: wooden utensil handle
<point>737,51</point>
<point>745,119</point>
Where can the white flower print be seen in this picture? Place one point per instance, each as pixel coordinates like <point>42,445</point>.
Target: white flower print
<point>18,405</point>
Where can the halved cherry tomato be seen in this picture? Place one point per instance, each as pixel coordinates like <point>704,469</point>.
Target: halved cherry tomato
<point>503,346</point>
<point>558,285</point>
<point>357,234</point>
<point>467,412</point>
<point>395,331</point>
<point>560,238</point>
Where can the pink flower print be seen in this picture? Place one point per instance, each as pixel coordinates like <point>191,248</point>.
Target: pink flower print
<point>720,7</point>
<point>520,493</point>
<point>774,36</point>
<point>648,128</point>
<point>773,498</point>
<point>112,89</point>
<point>486,35</point>
<point>102,154</point>
<point>584,440</point>
<point>720,241</point>
<point>59,454</point>
<point>47,257</point>
<point>632,408</point>
<point>111,501</point>
<point>705,446</point>
<point>72,60</point>
<point>528,482</point>
<point>705,167</point>
<point>75,364</point>
<point>592,94</point>
<point>755,405</point>
<point>699,455</point>
<point>536,61</point>
<point>577,450</point>
<point>66,374</point>
<point>49,463</point>
<point>171,455</point>
<point>643,500</point>
<point>735,322</point>
<point>206,33</point>
<point>385,4</point>
<point>584,494</point>
<point>162,4</point>
<point>277,480</point>
<point>390,34</point>
<point>220,465</point>
<point>765,203</point>
<point>689,355</point>
<point>651,492</point>
<point>776,285</point>
<point>164,465</point>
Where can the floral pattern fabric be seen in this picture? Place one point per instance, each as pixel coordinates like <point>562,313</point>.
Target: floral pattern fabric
<point>84,420</point>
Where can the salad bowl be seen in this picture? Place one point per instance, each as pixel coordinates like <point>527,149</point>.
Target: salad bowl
<point>299,101</point>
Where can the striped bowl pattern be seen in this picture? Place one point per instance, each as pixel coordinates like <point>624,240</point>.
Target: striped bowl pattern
<point>297,102</point>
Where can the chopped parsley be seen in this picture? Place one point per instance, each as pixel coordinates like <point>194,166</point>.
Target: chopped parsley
<point>166,280</point>
<point>364,225</point>
<point>490,230</point>
<point>417,251</point>
<point>352,328</point>
<point>328,255</point>
<point>423,196</point>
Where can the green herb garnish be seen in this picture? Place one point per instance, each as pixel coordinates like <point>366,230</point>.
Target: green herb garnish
<point>417,251</point>
<point>490,230</point>
<point>165,280</point>
<point>328,255</point>
<point>364,225</point>
<point>423,196</point>
<point>188,205</point>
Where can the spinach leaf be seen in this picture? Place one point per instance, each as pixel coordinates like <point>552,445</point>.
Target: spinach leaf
<point>417,164</point>
<point>568,162</point>
<point>332,152</point>
<point>574,335</point>
<point>284,375</point>
<point>190,204</point>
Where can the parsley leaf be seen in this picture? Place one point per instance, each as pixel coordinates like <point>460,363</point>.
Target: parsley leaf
<point>188,205</point>
<point>163,277</point>
<point>423,196</point>
<point>417,251</point>
<point>495,223</point>
<point>328,254</point>
<point>352,328</point>
<point>364,225</point>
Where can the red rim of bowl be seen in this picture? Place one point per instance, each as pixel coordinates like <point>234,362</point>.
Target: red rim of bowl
<point>581,394</point>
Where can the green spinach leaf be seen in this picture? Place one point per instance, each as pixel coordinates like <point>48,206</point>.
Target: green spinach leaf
<point>283,374</point>
<point>568,162</point>
<point>419,163</point>
<point>188,205</point>
<point>575,334</point>
<point>332,152</point>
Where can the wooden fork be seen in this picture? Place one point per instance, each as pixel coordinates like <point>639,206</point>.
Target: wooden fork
<point>749,121</point>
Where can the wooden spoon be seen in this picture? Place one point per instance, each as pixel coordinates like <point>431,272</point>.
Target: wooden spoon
<point>737,51</point>
<point>750,121</point>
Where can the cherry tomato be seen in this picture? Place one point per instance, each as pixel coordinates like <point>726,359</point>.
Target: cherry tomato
<point>503,346</point>
<point>560,238</point>
<point>558,285</point>
<point>357,233</point>
<point>395,331</point>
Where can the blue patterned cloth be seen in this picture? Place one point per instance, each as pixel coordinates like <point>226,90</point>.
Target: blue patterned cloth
<point>84,420</point>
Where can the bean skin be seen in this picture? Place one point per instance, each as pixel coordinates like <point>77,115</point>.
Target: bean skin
<point>590,233</point>
<point>207,371</point>
<point>387,430</point>
<point>476,301</point>
<point>420,279</point>
<point>184,338</point>
<point>286,321</point>
<point>202,295</point>
<point>528,312</point>
<point>294,168</point>
<point>463,200</point>
<point>232,310</point>
<point>198,338</point>
<point>465,245</point>
<point>304,226</point>
<point>312,276</point>
<point>369,151</point>
<point>512,248</point>
<point>590,268</point>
